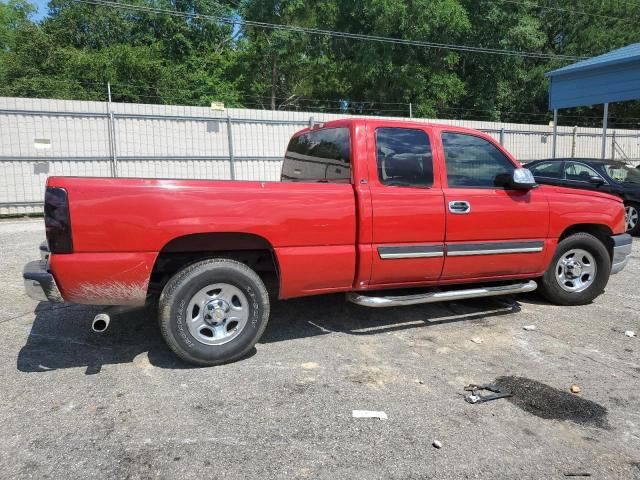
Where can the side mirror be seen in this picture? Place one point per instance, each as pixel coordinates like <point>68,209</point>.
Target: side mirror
<point>596,180</point>
<point>522,179</point>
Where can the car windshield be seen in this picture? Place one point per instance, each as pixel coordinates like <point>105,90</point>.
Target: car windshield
<point>622,173</point>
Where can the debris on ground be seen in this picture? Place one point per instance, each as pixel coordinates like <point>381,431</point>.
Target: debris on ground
<point>575,389</point>
<point>475,397</point>
<point>577,474</point>
<point>630,333</point>
<point>529,327</point>
<point>369,414</point>
<point>310,366</point>
<point>477,340</point>
<point>437,444</point>
<point>420,382</point>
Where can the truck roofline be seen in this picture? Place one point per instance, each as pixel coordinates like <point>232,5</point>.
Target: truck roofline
<point>349,122</point>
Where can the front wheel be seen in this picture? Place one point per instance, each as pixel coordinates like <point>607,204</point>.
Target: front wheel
<point>631,218</point>
<point>213,311</point>
<point>579,271</point>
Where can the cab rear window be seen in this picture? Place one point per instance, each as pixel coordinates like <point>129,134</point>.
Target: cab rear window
<point>319,156</point>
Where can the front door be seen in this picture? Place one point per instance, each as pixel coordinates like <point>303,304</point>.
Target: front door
<point>580,175</point>
<point>491,230</point>
<point>407,205</point>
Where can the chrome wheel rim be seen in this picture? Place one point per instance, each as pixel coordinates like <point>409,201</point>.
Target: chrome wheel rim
<point>630,217</point>
<point>576,270</point>
<point>217,313</point>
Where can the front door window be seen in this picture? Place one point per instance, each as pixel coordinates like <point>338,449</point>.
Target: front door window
<point>474,162</point>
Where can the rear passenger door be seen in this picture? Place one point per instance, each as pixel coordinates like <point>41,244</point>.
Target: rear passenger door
<point>407,205</point>
<point>492,230</point>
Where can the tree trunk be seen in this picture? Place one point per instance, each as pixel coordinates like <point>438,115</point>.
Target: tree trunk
<point>274,78</point>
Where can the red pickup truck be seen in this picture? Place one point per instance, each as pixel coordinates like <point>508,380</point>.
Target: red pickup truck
<point>363,206</point>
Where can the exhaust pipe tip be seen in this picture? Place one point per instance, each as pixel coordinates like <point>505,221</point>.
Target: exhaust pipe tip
<point>100,323</point>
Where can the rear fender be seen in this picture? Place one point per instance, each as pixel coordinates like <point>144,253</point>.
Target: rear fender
<point>103,278</point>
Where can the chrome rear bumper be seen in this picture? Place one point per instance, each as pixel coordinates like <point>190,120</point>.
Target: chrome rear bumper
<point>622,246</point>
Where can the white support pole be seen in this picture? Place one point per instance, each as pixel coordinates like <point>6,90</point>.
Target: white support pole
<point>410,110</point>
<point>113,146</point>
<point>555,133</point>
<point>232,167</point>
<point>613,146</point>
<point>605,120</point>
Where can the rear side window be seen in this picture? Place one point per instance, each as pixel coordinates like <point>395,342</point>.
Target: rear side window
<point>319,156</point>
<point>474,162</point>
<point>404,157</point>
<point>547,169</point>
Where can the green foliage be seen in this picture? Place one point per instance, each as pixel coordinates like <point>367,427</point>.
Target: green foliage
<point>14,15</point>
<point>157,58</point>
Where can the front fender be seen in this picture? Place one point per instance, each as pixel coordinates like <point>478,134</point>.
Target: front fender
<point>568,208</point>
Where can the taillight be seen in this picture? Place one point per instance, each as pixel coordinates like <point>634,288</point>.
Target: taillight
<point>57,221</point>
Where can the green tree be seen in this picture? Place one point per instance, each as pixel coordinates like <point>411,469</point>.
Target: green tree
<point>387,73</point>
<point>498,87</point>
<point>14,15</point>
<point>284,65</point>
<point>158,58</point>
<point>148,57</point>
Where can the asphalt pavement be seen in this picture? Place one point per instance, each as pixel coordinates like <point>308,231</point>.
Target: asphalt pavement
<point>76,404</point>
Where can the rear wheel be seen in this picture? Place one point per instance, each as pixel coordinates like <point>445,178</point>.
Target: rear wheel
<point>632,218</point>
<point>579,271</point>
<point>213,311</point>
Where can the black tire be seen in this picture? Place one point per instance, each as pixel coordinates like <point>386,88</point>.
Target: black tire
<point>550,286</point>
<point>635,231</point>
<point>175,298</point>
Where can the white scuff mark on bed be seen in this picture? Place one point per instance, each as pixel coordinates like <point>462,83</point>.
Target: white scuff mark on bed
<point>111,293</point>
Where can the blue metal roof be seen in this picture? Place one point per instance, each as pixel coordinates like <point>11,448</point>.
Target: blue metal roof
<point>612,77</point>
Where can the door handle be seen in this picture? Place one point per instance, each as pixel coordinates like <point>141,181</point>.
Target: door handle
<point>459,207</point>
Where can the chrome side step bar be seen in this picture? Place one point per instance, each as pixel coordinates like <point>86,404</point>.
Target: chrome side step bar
<point>433,297</point>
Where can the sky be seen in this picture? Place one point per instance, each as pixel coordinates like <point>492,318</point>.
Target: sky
<point>42,8</point>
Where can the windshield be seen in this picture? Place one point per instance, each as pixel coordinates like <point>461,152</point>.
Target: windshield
<point>622,173</point>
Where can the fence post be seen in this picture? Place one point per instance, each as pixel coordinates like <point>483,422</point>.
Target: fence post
<point>410,110</point>
<point>613,146</point>
<point>311,122</point>
<point>230,137</point>
<point>555,134</point>
<point>502,136</point>
<point>574,140</point>
<point>113,150</point>
<point>605,120</point>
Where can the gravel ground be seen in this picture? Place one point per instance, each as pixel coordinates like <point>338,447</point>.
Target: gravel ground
<point>76,404</point>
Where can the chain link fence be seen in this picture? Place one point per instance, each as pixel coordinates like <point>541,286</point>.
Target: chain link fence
<point>40,138</point>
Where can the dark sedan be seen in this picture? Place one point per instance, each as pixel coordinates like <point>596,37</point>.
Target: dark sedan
<point>593,174</point>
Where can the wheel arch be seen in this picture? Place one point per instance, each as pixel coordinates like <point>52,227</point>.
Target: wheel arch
<point>601,231</point>
<point>253,250</point>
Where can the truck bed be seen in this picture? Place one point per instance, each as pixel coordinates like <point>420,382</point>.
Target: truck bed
<point>120,225</point>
